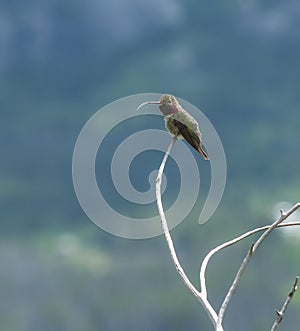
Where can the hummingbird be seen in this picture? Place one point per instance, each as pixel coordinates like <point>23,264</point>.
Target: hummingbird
<point>179,122</point>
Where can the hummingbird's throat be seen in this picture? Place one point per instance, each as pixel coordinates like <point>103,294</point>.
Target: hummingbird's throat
<point>168,110</point>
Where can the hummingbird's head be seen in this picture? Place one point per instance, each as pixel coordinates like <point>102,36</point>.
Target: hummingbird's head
<point>168,104</point>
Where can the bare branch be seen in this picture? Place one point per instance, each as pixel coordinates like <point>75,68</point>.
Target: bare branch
<point>283,216</point>
<point>247,258</point>
<point>230,243</point>
<point>203,300</point>
<point>282,311</point>
<point>217,319</point>
<point>233,286</point>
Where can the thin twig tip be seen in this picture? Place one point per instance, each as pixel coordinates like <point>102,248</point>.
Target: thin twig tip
<point>295,287</point>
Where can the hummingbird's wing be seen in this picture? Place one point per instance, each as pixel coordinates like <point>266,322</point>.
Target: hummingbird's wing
<point>191,137</point>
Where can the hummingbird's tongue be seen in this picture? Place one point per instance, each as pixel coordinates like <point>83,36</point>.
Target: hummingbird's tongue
<point>148,103</point>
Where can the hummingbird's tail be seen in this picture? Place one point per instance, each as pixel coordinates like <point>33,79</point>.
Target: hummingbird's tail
<point>203,153</point>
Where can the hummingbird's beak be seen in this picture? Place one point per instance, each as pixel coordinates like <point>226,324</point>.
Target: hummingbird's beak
<point>147,103</point>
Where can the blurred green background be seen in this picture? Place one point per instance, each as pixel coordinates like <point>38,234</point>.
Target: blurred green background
<point>61,61</point>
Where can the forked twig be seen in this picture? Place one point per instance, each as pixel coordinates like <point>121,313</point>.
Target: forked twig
<point>282,311</point>
<point>217,319</point>
<point>203,300</point>
<point>253,248</point>
<point>230,243</point>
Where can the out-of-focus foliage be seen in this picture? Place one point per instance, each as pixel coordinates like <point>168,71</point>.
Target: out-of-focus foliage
<point>60,61</point>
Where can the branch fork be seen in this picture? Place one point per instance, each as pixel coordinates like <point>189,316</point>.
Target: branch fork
<point>217,317</point>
